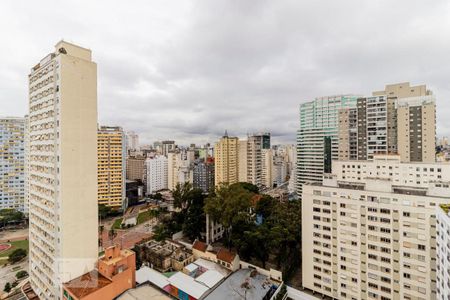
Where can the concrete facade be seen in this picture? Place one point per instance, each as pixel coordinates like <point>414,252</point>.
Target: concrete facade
<point>369,231</point>
<point>111,151</point>
<point>12,164</point>
<point>63,217</point>
<point>156,173</point>
<point>226,160</point>
<point>443,252</point>
<point>317,138</point>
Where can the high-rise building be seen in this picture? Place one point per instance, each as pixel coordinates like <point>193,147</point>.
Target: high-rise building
<point>279,171</point>
<point>369,231</point>
<point>111,172</point>
<point>136,168</point>
<point>417,129</point>
<point>267,167</point>
<point>399,120</point>
<point>317,138</point>
<point>369,129</point>
<point>226,160</point>
<point>167,146</point>
<point>203,174</point>
<point>250,157</point>
<point>156,173</point>
<point>12,163</point>
<point>132,140</point>
<point>242,160</point>
<point>179,167</point>
<point>443,252</point>
<point>172,169</point>
<point>63,217</point>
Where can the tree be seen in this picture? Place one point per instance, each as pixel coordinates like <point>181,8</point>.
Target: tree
<point>9,215</point>
<point>17,255</point>
<point>265,206</point>
<point>7,288</point>
<point>157,196</point>
<point>261,243</point>
<point>21,274</point>
<point>160,232</point>
<point>194,220</point>
<point>112,234</point>
<point>182,197</point>
<point>103,211</point>
<point>229,205</point>
<point>247,186</point>
<point>137,250</point>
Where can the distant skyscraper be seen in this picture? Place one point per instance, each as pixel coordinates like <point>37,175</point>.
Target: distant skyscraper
<point>250,158</point>
<point>12,163</point>
<point>156,173</point>
<point>62,168</point>
<point>267,167</point>
<point>417,129</point>
<point>317,138</point>
<point>132,140</point>
<point>167,146</point>
<point>203,174</point>
<point>399,120</point>
<point>226,160</point>
<point>111,167</point>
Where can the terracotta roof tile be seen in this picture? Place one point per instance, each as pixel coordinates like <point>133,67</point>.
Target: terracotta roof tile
<point>225,255</point>
<point>87,284</point>
<point>200,246</point>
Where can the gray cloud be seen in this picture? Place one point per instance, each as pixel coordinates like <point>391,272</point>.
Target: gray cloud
<point>189,70</point>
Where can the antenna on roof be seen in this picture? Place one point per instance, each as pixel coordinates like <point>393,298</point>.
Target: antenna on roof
<point>226,133</point>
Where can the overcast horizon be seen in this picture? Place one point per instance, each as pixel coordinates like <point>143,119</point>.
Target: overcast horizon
<point>189,70</point>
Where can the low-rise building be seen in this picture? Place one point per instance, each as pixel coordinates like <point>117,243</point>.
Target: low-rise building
<point>166,255</point>
<point>116,273</point>
<point>215,274</point>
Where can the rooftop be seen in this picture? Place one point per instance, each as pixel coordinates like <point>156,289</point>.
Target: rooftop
<point>225,255</point>
<point>243,284</point>
<point>200,246</point>
<point>144,292</point>
<point>87,284</point>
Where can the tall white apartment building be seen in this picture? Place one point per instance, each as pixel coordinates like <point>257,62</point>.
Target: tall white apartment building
<point>443,252</point>
<point>62,191</point>
<point>242,160</point>
<point>250,157</point>
<point>267,167</point>
<point>156,173</point>
<point>12,163</point>
<point>180,169</point>
<point>369,231</point>
<point>132,140</point>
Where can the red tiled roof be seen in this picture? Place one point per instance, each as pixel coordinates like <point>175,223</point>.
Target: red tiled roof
<point>200,246</point>
<point>255,199</point>
<point>225,255</point>
<point>87,284</point>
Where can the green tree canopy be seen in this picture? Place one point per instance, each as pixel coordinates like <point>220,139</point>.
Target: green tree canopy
<point>229,205</point>
<point>17,255</point>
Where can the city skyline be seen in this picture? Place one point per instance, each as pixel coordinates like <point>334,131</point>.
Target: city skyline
<point>251,79</point>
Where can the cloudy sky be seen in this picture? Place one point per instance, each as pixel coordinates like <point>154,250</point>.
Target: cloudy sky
<point>188,70</point>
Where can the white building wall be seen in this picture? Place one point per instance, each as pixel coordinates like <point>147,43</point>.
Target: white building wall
<point>373,237</point>
<point>157,171</point>
<point>443,254</point>
<point>12,163</point>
